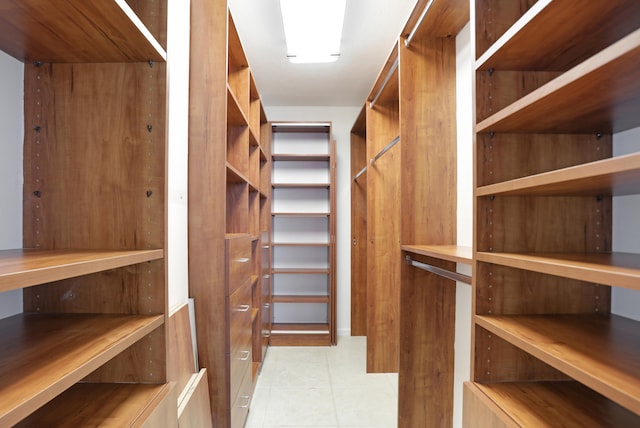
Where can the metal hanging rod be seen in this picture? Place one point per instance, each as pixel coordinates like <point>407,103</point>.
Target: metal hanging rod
<point>362,171</point>
<point>386,149</point>
<point>407,41</point>
<point>384,83</point>
<point>439,271</point>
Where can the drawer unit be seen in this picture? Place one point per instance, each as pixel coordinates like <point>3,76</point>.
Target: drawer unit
<point>240,406</point>
<point>240,354</point>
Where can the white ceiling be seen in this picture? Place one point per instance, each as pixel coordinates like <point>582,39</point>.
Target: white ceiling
<point>371,28</point>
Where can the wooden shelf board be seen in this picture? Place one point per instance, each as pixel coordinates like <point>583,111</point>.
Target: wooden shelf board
<point>615,176</point>
<point>560,403</point>
<point>43,355</point>
<point>235,115</point>
<point>300,244</point>
<point>300,185</point>
<point>559,46</point>
<point>84,405</point>
<point>567,342</point>
<point>453,253</point>
<point>82,31</point>
<point>617,269</point>
<point>254,140</point>
<point>235,176</point>
<point>301,157</point>
<point>576,98</point>
<point>280,328</point>
<point>299,299</point>
<point>298,214</point>
<point>302,127</point>
<point>26,267</point>
<point>286,271</point>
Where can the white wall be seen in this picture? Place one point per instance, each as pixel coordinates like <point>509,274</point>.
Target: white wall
<point>11,141</point>
<point>342,119</point>
<point>178,16</point>
<point>464,121</point>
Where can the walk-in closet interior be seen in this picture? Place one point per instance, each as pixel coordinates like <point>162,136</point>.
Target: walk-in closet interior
<point>432,224</point>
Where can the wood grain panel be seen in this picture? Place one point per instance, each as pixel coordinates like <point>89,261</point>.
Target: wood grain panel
<point>94,156</point>
<point>359,228</point>
<point>153,13</point>
<point>530,154</point>
<point>90,404</point>
<point>207,215</point>
<point>383,240</point>
<point>428,139</point>
<point>479,411</point>
<point>181,364</point>
<point>504,290</point>
<point>547,404</point>
<point>427,332</point>
<point>194,409</point>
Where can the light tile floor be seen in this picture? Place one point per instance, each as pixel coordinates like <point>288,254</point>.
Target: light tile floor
<point>324,387</point>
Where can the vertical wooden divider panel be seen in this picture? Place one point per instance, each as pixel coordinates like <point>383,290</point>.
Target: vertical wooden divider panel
<point>383,235</point>
<point>359,227</point>
<point>427,308</point>
<point>207,174</point>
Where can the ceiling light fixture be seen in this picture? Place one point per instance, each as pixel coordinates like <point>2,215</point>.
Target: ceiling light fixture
<point>312,29</point>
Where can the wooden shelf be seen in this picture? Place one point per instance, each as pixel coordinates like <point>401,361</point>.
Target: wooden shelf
<point>555,404</point>
<point>300,244</point>
<point>615,176</point>
<point>280,328</point>
<point>301,185</point>
<point>576,98</point>
<point>84,405</point>
<point>617,269</point>
<point>235,115</point>
<point>301,157</point>
<point>298,214</point>
<point>542,40</point>
<point>300,335</point>
<point>567,342</point>
<point>235,176</point>
<point>25,267</point>
<point>452,253</point>
<point>42,355</point>
<point>287,271</point>
<point>299,299</point>
<point>81,31</point>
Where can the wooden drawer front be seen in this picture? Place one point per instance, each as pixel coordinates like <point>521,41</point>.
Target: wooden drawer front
<point>238,262</point>
<point>241,362</point>
<point>240,318</point>
<point>240,406</point>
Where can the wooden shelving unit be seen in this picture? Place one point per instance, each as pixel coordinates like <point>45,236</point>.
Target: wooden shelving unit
<point>303,265</point>
<point>547,350</point>
<point>229,213</point>
<point>92,264</point>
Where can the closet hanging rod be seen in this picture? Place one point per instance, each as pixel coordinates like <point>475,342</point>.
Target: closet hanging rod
<point>407,41</point>
<point>384,83</point>
<point>362,171</point>
<point>439,271</point>
<point>386,149</point>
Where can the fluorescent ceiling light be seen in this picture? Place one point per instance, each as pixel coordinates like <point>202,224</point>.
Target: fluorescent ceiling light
<point>313,29</point>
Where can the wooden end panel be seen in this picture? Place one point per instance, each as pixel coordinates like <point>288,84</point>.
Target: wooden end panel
<point>154,16</point>
<point>194,409</point>
<point>359,236</point>
<point>428,141</point>
<point>181,363</point>
<point>427,334</point>
<point>383,239</point>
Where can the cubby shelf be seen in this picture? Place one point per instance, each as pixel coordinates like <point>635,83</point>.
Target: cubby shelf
<point>519,403</point>
<point>27,267</point>
<point>301,185</point>
<point>577,99</point>
<point>44,354</point>
<point>301,157</point>
<point>83,404</point>
<point>614,176</point>
<point>566,342</point>
<point>282,298</point>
